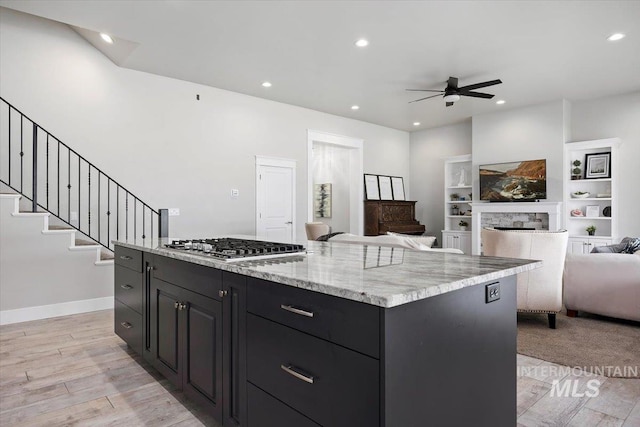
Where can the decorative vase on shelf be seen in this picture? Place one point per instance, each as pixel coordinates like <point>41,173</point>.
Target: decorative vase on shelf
<point>463,228</point>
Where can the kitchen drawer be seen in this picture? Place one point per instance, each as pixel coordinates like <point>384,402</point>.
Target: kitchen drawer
<point>128,326</point>
<point>128,287</point>
<point>206,281</point>
<point>349,323</point>
<point>129,258</point>
<point>267,411</point>
<point>330,384</point>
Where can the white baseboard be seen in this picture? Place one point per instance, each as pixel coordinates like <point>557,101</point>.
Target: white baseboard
<point>54,310</point>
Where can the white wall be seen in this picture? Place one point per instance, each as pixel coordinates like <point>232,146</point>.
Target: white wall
<point>331,165</point>
<point>429,148</point>
<point>616,116</point>
<point>529,133</point>
<point>150,134</point>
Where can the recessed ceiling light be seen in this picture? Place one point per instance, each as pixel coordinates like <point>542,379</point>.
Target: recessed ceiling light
<point>355,107</point>
<point>615,37</point>
<point>362,43</point>
<point>416,123</point>
<point>106,37</point>
<point>266,84</point>
<point>500,102</point>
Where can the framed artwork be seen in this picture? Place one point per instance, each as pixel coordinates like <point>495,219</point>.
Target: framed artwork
<point>371,188</point>
<point>597,165</point>
<point>593,211</point>
<point>386,192</point>
<point>322,200</point>
<point>397,185</point>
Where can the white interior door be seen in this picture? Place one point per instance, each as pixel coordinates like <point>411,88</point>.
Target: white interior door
<point>275,203</point>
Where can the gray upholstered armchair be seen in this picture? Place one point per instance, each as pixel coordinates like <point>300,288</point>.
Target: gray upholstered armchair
<point>539,290</point>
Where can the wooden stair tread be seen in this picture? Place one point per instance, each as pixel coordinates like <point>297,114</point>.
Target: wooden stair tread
<point>80,242</point>
<point>60,227</point>
<point>106,256</point>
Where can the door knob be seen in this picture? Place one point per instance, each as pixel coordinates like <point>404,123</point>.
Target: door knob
<point>289,222</point>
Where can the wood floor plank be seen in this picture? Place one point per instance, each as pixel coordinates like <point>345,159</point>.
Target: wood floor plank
<point>29,397</point>
<point>589,417</point>
<point>74,415</point>
<point>617,397</point>
<point>529,392</point>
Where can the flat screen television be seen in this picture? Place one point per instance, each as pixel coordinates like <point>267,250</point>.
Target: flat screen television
<point>524,181</point>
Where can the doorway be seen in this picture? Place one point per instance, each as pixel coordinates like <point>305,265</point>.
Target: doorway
<point>334,162</point>
<point>275,199</point>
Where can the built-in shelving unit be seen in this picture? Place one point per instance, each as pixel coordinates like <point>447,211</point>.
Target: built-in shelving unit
<point>457,180</point>
<point>606,226</point>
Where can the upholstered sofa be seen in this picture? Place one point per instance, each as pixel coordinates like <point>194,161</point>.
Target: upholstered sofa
<point>603,283</point>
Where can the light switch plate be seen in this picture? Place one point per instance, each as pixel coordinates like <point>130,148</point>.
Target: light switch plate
<point>174,211</point>
<point>235,193</point>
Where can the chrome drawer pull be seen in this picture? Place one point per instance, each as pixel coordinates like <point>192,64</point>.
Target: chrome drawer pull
<point>292,309</point>
<point>290,370</point>
<point>125,257</point>
<point>127,287</point>
<point>127,325</point>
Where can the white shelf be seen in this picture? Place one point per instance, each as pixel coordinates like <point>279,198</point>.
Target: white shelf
<point>457,169</point>
<point>591,180</point>
<point>591,217</point>
<point>607,226</point>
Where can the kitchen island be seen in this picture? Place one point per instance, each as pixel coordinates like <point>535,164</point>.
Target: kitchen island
<point>346,335</point>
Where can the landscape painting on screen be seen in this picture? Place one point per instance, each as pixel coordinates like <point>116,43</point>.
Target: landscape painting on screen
<point>513,182</point>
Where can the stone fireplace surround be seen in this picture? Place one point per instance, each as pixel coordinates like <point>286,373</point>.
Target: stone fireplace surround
<point>538,215</point>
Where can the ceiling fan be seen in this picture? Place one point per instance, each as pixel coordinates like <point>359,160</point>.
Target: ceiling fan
<point>452,92</point>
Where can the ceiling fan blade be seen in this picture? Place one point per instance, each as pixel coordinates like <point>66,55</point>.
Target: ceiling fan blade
<point>422,99</point>
<point>449,104</point>
<point>452,82</point>
<point>424,90</point>
<point>479,85</point>
<point>477,95</point>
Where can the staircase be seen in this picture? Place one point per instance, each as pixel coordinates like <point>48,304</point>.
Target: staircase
<point>59,215</point>
<point>103,256</point>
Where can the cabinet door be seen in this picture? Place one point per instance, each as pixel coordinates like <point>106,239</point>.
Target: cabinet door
<point>201,321</point>
<point>164,330</point>
<point>577,246</point>
<point>464,243</point>
<point>234,362</point>
<point>450,241</point>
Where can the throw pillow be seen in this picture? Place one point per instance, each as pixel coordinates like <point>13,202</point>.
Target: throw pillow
<point>632,246</point>
<point>613,249</point>
<point>428,241</point>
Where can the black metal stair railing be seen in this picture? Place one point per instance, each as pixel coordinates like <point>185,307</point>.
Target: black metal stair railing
<point>62,182</point>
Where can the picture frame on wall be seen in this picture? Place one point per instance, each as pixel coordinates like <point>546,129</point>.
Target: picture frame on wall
<point>371,187</point>
<point>397,185</point>
<point>386,191</point>
<point>597,165</point>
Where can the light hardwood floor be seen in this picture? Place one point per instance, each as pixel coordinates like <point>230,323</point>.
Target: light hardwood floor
<point>73,370</point>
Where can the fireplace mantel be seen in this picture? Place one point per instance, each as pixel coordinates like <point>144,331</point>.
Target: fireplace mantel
<point>553,209</point>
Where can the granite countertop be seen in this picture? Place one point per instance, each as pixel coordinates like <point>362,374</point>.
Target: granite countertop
<point>382,276</point>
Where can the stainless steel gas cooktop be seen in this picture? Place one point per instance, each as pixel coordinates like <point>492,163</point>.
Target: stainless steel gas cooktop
<point>230,249</point>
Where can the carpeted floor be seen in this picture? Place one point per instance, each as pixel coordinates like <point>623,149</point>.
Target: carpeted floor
<point>589,341</point>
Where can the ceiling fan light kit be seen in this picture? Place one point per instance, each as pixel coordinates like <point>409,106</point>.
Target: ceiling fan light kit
<point>452,92</point>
